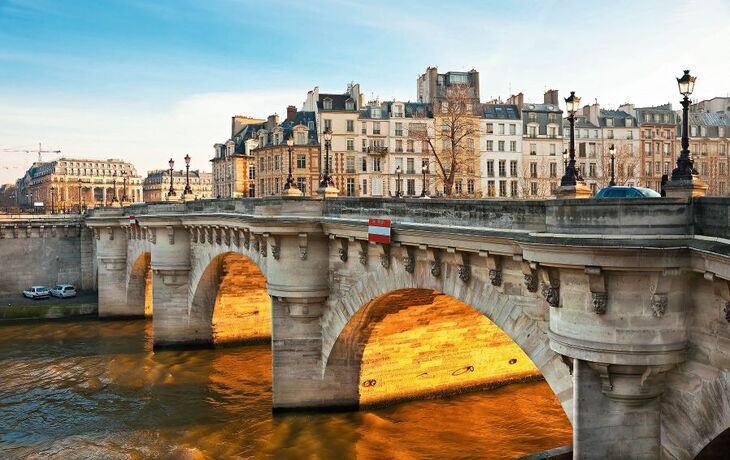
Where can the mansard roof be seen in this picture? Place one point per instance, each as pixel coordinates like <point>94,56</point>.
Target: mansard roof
<point>338,102</point>
<point>501,111</point>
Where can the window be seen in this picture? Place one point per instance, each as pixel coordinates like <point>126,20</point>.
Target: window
<point>376,127</point>
<point>502,168</point>
<point>328,104</point>
<point>490,168</point>
<point>375,112</point>
<point>500,129</point>
<point>513,129</point>
<point>503,188</point>
<point>409,146</point>
<point>470,145</point>
<point>513,168</point>
<point>552,118</point>
<point>666,167</point>
<point>302,184</point>
<point>377,187</point>
<point>513,188</point>
<point>553,150</point>
<point>350,126</point>
<point>592,170</point>
<point>301,161</point>
<point>350,165</point>
<point>350,104</point>
<point>277,162</point>
<point>667,152</point>
<point>376,167</point>
<point>490,128</point>
<point>399,145</point>
<point>350,145</point>
<point>500,146</point>
<point>411,186</point>
<point>533,149</point>
<point>490,188</point>
<point>276,185</point>
<point>609,134</point>
<point>399,129</point>
<point>459,186</point>
<point>657,167</point>
<point>533,169</point>
<point>512,146</point>
<point>532,131</point>
<point>553,169</point>
<point>364,186</point>
<point>490,146</point>
<point>609,122</point>
<point>532,117</point>
<point>363,128</point>
<point>553,132</point>
<point>647,148</point>
<point>533,188</point>
<point>262,164</point>
<point>328,125</point>
<point>300,138</point>
<point>629,134</point>
<point>364,164</point>
<point>470,186</point>
<point>350,186</point>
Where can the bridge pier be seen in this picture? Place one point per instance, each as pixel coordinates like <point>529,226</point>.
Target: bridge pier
<point>111,255</point>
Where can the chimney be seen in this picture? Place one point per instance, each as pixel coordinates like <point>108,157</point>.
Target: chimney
<point>272,122</point>
<point>551,97</point>
<point>291,112</point>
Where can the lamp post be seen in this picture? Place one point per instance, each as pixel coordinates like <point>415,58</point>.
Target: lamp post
<point>290,148</point>
<point>570,177</point>
<point>424,170</point>
<point>326,179</point>
<point>572,184</point>
<point>685,164</point>
<point>114,188</point>
<point>612,152</point>
<point>53,201</point>
<point>171,191</point>
<point>397,182</point>
<point>125,198</point>
<point>188,190</point>
<point>79,196</point>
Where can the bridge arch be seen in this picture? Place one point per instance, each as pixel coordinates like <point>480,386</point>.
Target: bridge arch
<point>517,317</point>
<point>229,302</point>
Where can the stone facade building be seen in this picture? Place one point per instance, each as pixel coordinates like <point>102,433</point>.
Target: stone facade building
<point>234,173</point>
<point>500,150</point>
<point>271,155</point>
<point>542,145</point>
<point>157,184</point>
<point>69,183</point>
<point>658,139</point>
<point>709,142</point>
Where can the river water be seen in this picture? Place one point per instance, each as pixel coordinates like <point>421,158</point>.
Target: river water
<point>93,389</point>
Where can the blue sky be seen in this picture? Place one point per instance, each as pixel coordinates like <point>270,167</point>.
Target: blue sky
<point>147,80</point>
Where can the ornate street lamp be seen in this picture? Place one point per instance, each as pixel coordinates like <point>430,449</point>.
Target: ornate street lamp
<point>114,187</point>
<point>290,178</point>
<point>171,192</point>
<point>685,164</point>
<point>612,152</point>
<point>125,198</point>
<point>326,179</point>
<point>53,202</point>
<point>424,170</point>
<point>188,190</point>
<point>397,182</point>
<point>571,176</point>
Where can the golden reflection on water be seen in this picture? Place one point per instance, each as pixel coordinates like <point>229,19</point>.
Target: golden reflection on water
<point>95,390</point>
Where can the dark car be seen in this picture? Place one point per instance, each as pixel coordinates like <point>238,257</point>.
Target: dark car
<point>626,192</point>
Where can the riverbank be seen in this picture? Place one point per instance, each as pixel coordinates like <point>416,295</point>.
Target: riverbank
<point>18,308</point>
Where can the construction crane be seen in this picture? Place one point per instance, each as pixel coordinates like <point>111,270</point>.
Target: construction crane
<point>40,152</point>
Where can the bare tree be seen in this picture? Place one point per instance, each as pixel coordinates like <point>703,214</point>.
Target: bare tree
<point>541,181</point>
<point>454,139</point>
<point>628,165</point>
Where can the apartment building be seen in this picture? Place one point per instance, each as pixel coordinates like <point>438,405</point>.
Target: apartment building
<point>409,156</point>
<point>658,139</point>
<point>500,150</point>
<point>156,185</point>
<point>234,172</point>
<point>709,142</point>
<point>542,145</point>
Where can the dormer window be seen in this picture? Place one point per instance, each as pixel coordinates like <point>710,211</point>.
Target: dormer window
<point>398,110</point>
<point>349,104</point>
<point>609,122</point>
<point>629,122</point>
<point>328,104</point>
<point>375,112</point>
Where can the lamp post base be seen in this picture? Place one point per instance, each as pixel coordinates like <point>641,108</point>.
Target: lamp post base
<point>685,188</point>
<point>116,204</point>
<point>570,192</point>
<point>292,191</point>
<point>328,192</point>
<point>172,198</point>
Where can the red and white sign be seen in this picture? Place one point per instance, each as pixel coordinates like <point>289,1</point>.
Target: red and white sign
<point>132,221</point>
<point>379,230</point>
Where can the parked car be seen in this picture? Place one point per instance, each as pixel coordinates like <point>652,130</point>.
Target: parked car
<point>63,290</point>
<point>36,292</point>
<point>626,192</point>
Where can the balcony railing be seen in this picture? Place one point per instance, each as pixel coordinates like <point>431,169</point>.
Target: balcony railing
<point>377,150</point>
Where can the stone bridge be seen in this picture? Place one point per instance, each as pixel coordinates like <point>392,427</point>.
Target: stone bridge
<point>622,306</point>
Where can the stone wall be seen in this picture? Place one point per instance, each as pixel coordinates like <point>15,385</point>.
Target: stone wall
<point>43,255</point>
